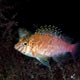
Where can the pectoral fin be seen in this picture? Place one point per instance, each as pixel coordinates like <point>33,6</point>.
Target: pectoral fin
<point>44,61</point>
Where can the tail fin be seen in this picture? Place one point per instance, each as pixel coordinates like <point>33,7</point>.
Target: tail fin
<point>76,52</point>
<point>73,55</point>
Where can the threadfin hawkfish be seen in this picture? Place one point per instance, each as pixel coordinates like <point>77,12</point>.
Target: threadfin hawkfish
<point>46,42</point>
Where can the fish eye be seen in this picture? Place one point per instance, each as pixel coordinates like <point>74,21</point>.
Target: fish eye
<point>25,43</point>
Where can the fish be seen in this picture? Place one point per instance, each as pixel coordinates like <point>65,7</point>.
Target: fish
<point>47,42</point>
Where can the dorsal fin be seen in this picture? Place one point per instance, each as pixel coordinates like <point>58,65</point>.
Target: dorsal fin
<point>49,29</point>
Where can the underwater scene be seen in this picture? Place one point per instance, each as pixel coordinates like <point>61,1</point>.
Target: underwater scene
<point>39,40</point>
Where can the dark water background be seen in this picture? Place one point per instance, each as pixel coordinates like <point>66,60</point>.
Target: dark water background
<point>25,13</point>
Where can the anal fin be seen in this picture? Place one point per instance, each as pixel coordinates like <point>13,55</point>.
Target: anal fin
<point>63,58</point>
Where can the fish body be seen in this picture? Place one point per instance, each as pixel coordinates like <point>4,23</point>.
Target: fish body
<point>44,44</point>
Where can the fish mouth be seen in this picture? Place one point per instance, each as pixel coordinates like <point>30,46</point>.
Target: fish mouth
<point>20,49</point>
<point>17,48</point>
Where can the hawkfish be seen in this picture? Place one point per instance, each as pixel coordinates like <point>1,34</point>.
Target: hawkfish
<point>47,42</point>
